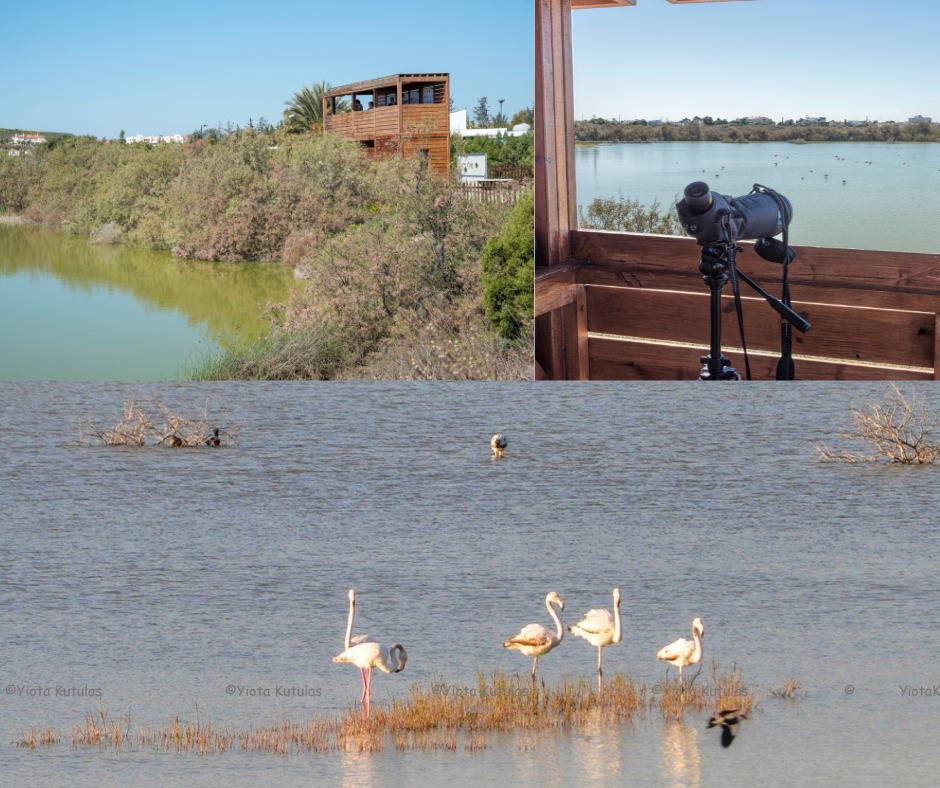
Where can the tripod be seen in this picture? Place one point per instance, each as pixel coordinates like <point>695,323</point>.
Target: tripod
<point>714,267</point>
<point>718,259</point>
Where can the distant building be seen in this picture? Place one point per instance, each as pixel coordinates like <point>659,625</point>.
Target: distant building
<point>154,140</point>
<point>758,120</point>
<point>458,125</point>
<point>808,121</point>
<point>28,139</point>
<point>402,114</point>
<point>920,119</point>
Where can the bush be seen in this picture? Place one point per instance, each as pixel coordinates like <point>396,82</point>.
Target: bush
<point>622,214</point>
<point>508,271</point>
<point>900,430</point>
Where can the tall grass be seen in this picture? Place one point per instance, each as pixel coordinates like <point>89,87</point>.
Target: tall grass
<point>310,354</point>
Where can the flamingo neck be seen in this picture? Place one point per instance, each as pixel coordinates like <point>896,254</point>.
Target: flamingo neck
<point>617,633</point>
<point>697,651</point>
<point>349,622</point>
<point>559,630</point>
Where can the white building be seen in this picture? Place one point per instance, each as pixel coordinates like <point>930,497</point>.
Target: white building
<point>154,140</point>
<point>458,125</point>
<point>28,139</point>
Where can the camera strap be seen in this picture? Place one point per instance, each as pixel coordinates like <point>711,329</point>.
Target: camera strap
<point>786,370</point>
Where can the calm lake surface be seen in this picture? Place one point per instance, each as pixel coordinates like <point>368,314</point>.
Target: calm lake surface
<point>890,198</point>
<point>160,577</point>
<point>70,310</point>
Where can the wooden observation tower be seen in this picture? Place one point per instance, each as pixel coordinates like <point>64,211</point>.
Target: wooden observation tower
<point>403,114</point>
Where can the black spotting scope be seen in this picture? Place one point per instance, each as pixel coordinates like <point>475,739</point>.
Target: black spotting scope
<point>705,214</point>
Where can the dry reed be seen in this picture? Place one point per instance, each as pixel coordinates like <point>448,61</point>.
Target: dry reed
<point>433,717</point>
<point>789,690</point>
<point>44,737</point>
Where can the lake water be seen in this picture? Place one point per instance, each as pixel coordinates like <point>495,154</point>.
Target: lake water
<point>161,576</point>
<point>890,198</point>
<point>70,310</point>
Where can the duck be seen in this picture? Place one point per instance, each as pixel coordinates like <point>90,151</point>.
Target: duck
<point>729,720</point>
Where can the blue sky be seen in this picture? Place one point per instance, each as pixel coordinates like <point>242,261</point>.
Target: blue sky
<point>842,59</point>
<point>169,67</point>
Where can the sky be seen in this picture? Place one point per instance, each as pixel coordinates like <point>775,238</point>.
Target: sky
<point>171,67</point>
<point>838,59</point>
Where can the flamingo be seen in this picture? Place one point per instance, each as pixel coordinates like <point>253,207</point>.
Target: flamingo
<point>600,628</point>
<point>728,719</point>
<point>369,655</point>
<point>534,640</point>
<point>498,444</point>
<point>356,640</point>
<point>685,652</point>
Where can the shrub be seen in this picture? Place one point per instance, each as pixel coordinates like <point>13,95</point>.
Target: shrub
<point>508,270</point>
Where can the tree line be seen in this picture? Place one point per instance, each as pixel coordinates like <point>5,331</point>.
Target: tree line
<point>603,130</point>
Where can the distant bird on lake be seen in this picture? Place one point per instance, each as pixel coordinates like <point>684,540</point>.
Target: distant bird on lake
<point>600,628</point>
<point>498,444</point>
<point>174,441</point>
<point>729,720</point>
<point>367,656</point>
<point>213,439</point>
<point>682,652</point>
<point>535,640</point>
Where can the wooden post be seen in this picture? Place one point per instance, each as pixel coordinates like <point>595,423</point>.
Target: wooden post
<point>558,346</point>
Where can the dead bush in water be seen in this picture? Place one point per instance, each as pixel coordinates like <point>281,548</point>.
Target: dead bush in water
<point>154,423</point>
<point>900,430</point>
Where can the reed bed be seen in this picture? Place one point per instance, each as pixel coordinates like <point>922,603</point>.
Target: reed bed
<point>432,717</point>
<point>99,729</point>
<point>44,737</point>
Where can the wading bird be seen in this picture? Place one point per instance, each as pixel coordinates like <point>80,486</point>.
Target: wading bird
<point>214,439</point>
<point>367,656</point>
<point>684,652</point>
<point>728,719</point>
<point>498,444</point>
<point>535,640</point>
<point>351,640</point>
<point>600,628</point>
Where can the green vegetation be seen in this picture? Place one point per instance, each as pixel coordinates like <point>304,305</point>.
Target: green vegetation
<point>501,151</point>
<point>623,214</point>
<point>390,252</point>
<point>508,271</point>
<point>710,130</point>
<point>305,109</point>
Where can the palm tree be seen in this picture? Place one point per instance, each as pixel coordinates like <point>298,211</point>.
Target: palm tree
<point>305,109</point>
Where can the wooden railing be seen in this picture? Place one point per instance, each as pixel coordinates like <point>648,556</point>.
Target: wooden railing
<point>634,307</point>
<point>489,191</point>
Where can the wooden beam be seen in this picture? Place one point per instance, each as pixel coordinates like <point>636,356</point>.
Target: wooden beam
<point>578,4</point>
<point>555,195</point>
<point>554,287</point>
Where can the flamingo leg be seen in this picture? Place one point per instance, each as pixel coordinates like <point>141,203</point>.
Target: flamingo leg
<point>368,685</point>
<point>365,685</point>
<point>535,665</point>
<point>600,651</point>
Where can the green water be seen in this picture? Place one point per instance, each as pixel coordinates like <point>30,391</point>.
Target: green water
<point>70,310</point>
